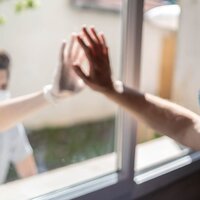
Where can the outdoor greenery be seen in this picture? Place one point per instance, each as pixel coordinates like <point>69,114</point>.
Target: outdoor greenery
<point>19,6</point>
<point>58,147</point>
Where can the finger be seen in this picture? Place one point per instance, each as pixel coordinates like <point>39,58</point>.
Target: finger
<point>98,48</point>
<point>57,72</point>
<point>104,44</point>
<point>104,47</point>
<point>85,48</point>
<point>62,51</point>
<point>88,36</point>
<point>71,44</point>
<point>102,39</point>
<point>80,73</point>
<point>94,33</point>
<point>76,51</point>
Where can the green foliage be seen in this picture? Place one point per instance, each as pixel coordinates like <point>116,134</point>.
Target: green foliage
<point>21,5</point>
<point>26,4</point>
<point>59,147</point>
<point>2,20</point>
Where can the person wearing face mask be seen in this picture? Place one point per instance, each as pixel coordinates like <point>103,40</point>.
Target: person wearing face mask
<point>65,84</point>
<point>14,145</point>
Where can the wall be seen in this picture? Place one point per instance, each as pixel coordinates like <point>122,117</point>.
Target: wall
<point>186,86</point>
<point>187,74</point>
<point>33,39</point>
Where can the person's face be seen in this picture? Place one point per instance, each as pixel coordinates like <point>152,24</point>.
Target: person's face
<point>3,79</point>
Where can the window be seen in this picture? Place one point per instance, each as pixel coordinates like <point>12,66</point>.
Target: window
<point>71,141</point>
<point>160,29</point>
<point>159,159</point>
<point>87,151</point>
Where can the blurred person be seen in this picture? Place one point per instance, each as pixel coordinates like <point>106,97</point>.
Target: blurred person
<point>65,84</point>
<point>163,116</point>
<point>14,145</point>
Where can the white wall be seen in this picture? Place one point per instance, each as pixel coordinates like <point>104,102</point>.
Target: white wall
<point>151,57</point>
<point>33,39</point>
<point>187,75</point>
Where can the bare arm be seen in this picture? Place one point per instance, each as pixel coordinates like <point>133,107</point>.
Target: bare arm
<point>65,84</point>
<point>163,116</point>
<point>26,167</point>
<point>15,110</point>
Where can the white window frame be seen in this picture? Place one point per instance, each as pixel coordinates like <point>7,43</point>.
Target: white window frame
<point>119,184</point>
<point>122,184</point>
<point>163,175</point>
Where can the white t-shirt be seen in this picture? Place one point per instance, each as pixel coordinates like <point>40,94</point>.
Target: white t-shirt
<point>14,147</point>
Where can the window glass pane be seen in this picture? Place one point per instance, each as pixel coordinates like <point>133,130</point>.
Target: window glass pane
<point>111,5</point>
<point>160,75</point>
<point>73,141</point>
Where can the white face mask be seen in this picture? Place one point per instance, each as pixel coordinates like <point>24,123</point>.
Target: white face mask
<point>4,94</point>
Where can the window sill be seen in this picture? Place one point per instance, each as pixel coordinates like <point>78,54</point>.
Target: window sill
<point>148,167</point>
<point>157,152</point>
<point>169,165</point>
<point>60,178</point>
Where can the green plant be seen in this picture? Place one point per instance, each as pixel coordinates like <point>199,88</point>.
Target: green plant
<point>26,4</point>
<point>19,6</point>
<point>2,20</point>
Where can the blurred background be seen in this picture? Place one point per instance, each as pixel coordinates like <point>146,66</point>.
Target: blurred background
<point>83,126</point>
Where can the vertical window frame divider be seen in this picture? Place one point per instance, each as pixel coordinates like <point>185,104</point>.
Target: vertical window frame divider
<point>131,58</point>
<point>118,185</point>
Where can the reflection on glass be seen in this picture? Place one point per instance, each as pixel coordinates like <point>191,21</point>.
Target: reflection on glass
<point>159,50</point>
<point>79,129</point>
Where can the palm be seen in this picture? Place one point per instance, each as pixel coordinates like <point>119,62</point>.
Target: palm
<point>69,81</point>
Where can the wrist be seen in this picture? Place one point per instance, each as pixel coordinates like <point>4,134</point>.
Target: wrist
<point>48,95</point>
<point>117,88</point>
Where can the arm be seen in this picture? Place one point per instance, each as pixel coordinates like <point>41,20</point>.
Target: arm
<point>15,110</point>
<point>26,167</point>
<point>22,153</point>
<point>65,84</point>
<point>163,116</point>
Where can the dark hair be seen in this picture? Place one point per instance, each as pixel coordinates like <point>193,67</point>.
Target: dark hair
<point>4,61</point>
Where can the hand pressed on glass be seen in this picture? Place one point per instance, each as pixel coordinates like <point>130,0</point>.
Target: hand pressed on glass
<point>66,80</point>
<point>96,51</point>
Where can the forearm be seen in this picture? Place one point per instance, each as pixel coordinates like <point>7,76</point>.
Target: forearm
<point>26,167</point>
<point>16,110</point>
<point>161,115</point>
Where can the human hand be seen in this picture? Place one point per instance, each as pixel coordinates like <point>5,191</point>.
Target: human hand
<point>66,81</point>
<point>96,51</point>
